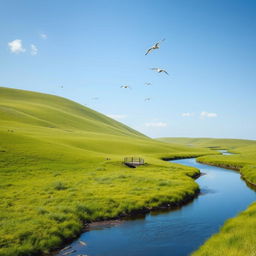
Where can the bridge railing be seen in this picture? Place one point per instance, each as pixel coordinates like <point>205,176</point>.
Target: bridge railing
<point>134,160</point>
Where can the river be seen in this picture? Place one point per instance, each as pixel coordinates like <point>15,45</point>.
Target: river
<point>174,233</point>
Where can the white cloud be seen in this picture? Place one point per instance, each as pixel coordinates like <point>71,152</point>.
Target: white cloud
<point>43,36</point>
<point>15,46</point>
<point>156,124</point>
<point>116,116</point>
<point>33,50</point>
<point>204,114</point>
<point>187,114</point>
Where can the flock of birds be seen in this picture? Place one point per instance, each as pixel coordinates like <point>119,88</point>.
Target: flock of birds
<point>159,70</point>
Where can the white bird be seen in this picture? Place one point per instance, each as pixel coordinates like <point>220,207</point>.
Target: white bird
<point>147,99</point>
<point>160,70</point>
<point>154,47</point>
<point>125,87</point>
<point>148,84</point>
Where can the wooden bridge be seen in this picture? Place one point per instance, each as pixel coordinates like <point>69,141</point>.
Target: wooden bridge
<point>133,162</point>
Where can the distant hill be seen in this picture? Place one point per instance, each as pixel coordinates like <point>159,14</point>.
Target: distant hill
<point>209,142</point>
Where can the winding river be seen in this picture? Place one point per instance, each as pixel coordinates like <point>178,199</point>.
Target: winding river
<point>174,233</point>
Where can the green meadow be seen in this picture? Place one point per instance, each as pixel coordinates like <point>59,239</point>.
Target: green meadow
<point>61,166</point>
<point>237,237</point>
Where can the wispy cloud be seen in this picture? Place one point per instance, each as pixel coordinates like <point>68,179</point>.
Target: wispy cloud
<point>156,124</point>
<point>43,36</point>
<point>117,116</point>
<point>15,46</point>
<point>204,114</point>
<point>187,114</point>
<point>33,50</point>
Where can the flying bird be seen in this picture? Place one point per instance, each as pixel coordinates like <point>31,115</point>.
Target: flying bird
<point>160,70</point>
<point>125,87</point>
<point>147,99</point>
<point>154,47</point>
<point>148,84</point>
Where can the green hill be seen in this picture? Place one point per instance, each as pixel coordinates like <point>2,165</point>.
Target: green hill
<point>50,120</point>
<point>210,142</point>
<point>61,165</point>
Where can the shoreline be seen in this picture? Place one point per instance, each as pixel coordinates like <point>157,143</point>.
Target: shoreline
<point>141,212</point>
<point>129,216</point>
<point>168,206</point>
<point>229,168</point>
<point>133,214</point>
<point>118,220</point>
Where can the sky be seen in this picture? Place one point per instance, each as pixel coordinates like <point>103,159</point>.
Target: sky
<point>85,50</point>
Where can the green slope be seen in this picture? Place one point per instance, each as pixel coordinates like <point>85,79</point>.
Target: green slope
<point>61,165</point>
<point>36,109</point>
<point>209,142</point>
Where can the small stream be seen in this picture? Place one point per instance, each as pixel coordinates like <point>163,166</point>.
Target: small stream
<point>174,233</point>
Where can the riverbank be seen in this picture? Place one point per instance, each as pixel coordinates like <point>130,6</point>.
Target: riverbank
<point>181,231</point>
<point>247,170</point>
<point>191,172</point>
<point>169,203</point>
<point>237,236</point>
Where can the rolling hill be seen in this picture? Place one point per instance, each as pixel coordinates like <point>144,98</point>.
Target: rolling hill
<point>61,165</point>
<point>210,142</point>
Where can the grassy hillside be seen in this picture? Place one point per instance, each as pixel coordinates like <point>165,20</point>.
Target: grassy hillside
<point>61,166</point>
<point>237,237</point>
<point>210,142</point>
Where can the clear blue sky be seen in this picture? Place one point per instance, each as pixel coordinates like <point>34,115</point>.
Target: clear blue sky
<point>91,48</point>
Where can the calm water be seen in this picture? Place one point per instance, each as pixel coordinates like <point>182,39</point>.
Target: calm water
<point>180,232</point>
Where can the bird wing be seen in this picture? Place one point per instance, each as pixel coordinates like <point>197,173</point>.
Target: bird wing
<point>149,50</point>
<point>158,43</point>
<point>165,72</point>
<point>154,68</point>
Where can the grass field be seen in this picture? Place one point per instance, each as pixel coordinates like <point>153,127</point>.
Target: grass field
<point>61,166</point>
<point>238,235</point>
<point>210,142</point>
